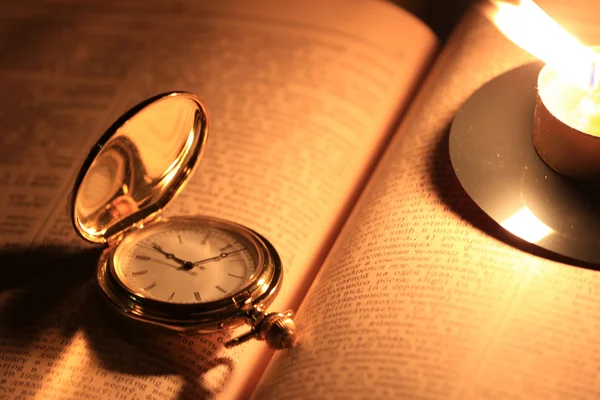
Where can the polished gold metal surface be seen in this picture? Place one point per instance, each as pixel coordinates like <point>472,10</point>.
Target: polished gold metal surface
<point>134,170</point>
<point>137,167</point>
<point>263,286</point>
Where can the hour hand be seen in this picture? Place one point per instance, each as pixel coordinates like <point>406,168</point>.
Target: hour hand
<point>171,256</point>
<point>160,250</point>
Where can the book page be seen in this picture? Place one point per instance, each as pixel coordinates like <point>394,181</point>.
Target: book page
<point>301,98</point>
<point>420,298</point>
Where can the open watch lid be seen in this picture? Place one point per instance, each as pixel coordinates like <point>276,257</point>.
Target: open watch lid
<point>138,165</point>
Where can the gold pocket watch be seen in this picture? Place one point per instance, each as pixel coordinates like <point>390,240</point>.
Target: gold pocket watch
<point>187,274</point>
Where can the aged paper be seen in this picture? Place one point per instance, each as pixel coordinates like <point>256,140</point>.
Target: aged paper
<point>301,98</point>
<point>420,298</point>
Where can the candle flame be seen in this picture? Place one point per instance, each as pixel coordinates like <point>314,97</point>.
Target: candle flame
<point>530,28</point>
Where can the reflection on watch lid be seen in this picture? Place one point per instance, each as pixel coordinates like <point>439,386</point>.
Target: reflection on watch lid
<point>139,164</point>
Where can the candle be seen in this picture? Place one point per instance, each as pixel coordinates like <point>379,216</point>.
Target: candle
<point>566,132</point>
<point>566,128</point>
<point>573,105</point>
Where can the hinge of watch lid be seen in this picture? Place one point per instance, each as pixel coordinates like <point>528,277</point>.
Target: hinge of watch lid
<point>115,238</point>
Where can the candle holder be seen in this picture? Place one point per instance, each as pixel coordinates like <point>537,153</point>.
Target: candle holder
<point>564,135</point>
<point>493,154</point>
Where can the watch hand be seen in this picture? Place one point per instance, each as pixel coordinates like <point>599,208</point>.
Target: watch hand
<point>165,263</point>
<point>159,249</point>
<point>206,260</point>
<point>171,256</point>
<point>222,255</point>
<point>154,259</point>
<point>155,247</point>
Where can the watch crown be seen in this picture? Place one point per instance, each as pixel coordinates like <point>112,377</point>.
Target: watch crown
<point>278,330</point>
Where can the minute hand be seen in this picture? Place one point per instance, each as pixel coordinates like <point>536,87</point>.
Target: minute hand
<point>215,258</point>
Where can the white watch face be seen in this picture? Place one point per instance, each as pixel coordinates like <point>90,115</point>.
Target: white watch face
<point>182,262</point>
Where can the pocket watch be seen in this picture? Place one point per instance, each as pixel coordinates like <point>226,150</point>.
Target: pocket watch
<point>187,274</point>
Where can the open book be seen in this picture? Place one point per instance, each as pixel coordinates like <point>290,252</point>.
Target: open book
<point>329,124</point>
